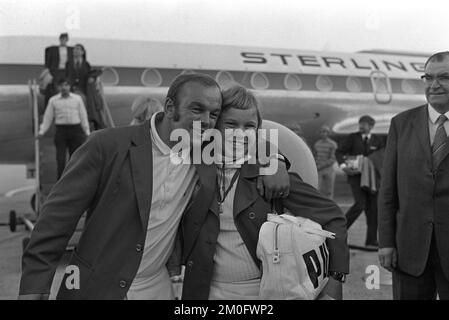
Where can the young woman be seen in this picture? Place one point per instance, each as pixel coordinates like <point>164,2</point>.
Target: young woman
<point>78,70</point>
<point>220,232</point>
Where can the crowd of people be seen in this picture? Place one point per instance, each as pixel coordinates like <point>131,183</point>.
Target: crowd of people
<point>147,215</point>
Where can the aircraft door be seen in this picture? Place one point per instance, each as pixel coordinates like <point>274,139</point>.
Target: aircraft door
<point>381,87</point>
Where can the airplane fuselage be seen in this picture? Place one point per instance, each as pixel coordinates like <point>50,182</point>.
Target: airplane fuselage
<point>297,89</point>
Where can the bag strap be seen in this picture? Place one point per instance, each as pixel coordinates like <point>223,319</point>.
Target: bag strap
<point>277,207</point>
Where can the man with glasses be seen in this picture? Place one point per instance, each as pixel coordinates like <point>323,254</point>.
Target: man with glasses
<point>414,194</point>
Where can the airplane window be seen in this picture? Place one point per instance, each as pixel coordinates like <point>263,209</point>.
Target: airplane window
<point>151,78</point>
<point>353,84</point>
<point>381,85</point>
<point>411,86</point>
<point>292,82</point>
<point>187,71</point>
<point>324,83</point>
<point>224,77</point>
<point>109,77</point>
<point>259,81</point>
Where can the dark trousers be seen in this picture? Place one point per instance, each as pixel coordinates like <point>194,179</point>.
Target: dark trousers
<point>67,138</point>
<point>364,201</point>
<point>427,285</point>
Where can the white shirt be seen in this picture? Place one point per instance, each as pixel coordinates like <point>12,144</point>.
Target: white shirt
<point>433,117</point>
<point>172,189</point>
<point>366,135</point>
<point>62,57</point>
<point>68,110</point>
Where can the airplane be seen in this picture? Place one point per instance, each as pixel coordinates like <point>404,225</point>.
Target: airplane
<point>300,89</point>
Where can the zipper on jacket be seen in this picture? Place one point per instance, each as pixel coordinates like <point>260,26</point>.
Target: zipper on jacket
<point>276,255</point>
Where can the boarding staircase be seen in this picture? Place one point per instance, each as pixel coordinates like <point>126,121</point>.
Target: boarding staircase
<point>45,151</point>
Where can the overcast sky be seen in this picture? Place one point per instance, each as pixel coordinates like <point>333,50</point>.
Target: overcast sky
<point>338,25</point>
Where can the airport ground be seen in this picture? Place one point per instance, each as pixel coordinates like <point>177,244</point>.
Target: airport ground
<point>362,262</point>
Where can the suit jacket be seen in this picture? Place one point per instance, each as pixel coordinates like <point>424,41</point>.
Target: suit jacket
<point>353,145</point>
<point>414,196</point>
<point>52,58</point>
<point>200,224</point>
<point>110,177</point>
<point>78,76</point>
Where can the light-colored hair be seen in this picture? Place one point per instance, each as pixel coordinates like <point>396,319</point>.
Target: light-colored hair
<point>148,104</point>
<point>239,97</point>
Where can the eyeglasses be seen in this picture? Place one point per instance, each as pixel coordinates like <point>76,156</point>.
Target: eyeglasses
<point>442,80</point>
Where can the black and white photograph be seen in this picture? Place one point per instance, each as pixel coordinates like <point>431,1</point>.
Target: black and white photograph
<point>239,152</point>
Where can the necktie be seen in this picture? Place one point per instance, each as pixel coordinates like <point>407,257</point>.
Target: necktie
<point>365,145</point>
<point>440,141</point>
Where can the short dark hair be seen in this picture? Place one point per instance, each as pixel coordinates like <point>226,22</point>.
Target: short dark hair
<point>82,47</point>
<point>438,57</point>
<point>64,35</point>
<point>240,98</point>
<point>182,79</point>
<point>63,80</point>
<point>367,119</point>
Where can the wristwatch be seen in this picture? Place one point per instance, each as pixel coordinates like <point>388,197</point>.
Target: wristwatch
<point>339,276</point>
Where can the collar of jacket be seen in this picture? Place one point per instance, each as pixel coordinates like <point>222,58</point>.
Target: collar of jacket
<point>420,125</point>
<point>141,157</point>
<point>142,134</point>
<point>246,190</point>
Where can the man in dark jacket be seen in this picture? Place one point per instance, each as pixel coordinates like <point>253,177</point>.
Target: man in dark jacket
<point>56,60</point>
<point>414,194</point>
<point>361,143</point>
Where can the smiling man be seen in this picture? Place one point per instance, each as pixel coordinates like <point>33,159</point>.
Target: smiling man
<point>414,195</point>
<point>134,196</point>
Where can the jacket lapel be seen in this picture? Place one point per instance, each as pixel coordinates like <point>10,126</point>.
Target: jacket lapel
<point>208,178</point>
<point>202,202</point>
<point>141,156</point>
<point>246,191</point>
<point>421,128</point>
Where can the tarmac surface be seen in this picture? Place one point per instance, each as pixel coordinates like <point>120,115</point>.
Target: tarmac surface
<point>364,264</point>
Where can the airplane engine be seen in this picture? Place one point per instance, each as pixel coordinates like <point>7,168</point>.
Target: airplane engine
<point>297,152</point>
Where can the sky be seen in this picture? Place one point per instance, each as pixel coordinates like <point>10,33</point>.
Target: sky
<point>334,25</point>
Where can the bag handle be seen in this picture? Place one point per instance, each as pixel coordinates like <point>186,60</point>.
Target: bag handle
<point>276,206</point>
<point>316,231</point>
<point>278,210</point>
